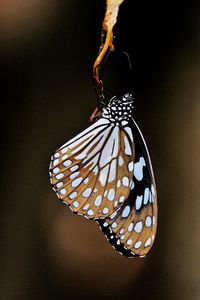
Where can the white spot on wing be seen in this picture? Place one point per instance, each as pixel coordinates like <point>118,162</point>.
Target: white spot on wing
<point>129,242</point>
<point>125,181</point>
<point>111,194</point>
<point>114,225</point>
<point>138,245</point>
<point>105,224</point>
<point>130,227</point>
<point>105,210</point>
<point>122,231</point>
<point>112,173</point>
<point>67,163</point>
<point>86,206</point>
<point>63,191</point>
<point>76,182</point>
<point>120,161</point>
<point>86,180</point>
<point>74,175</point>
<point>128,150</point>
<point>121,199</point>
<point>130,166</point>
<point>138,227</point>
<point>59,184</point>
<point>73,195</point>
<point>115,203</point>
<point>55,162</point>
<point>90,212</point>
<point>103,175</point>
<point>59,176</point>
<point>146,196</point>
<point>98,200</point>
<point>105,193</point>
<point>95,171</point>
<point>138,202</point>
<point>75,204</point>
<point>126,211</point>
<point>74,168</point>
<point>118,183</point>
<point>87,193</point>
<point>64,150</point>
<point>124,123</point>
<point>148,242</point>
<point>148,221</point>
<point>150,197</point>
<point>138,169</point>
<point>132,185</point>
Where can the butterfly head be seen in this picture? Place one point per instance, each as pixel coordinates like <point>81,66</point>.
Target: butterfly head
<point>119,109</point>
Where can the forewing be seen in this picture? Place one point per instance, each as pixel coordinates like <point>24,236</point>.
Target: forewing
<point>91,173</point>
<point>132,229</point>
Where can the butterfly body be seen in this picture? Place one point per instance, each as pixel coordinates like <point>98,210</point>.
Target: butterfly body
<point>105,173</point>
<point>119,112</point>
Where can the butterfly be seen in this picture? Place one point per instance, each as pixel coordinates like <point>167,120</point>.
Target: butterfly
<point>105,173</point>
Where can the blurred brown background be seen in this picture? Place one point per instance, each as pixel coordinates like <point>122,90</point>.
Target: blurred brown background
<point>47,49</point>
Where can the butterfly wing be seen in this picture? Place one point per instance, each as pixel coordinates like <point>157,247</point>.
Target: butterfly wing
<point>94,168</point>
<point>131,230</point>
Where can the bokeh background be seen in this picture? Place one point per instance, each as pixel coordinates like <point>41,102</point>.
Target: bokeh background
<point>47,49</point>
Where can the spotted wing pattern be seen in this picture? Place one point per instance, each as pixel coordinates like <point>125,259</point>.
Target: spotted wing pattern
<point>92,173</point>
<point>131,230</point>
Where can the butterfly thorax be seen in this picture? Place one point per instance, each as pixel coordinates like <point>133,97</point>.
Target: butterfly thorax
<point>119,110</point>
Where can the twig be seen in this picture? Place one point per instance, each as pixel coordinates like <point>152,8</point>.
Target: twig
<point>110,19</point>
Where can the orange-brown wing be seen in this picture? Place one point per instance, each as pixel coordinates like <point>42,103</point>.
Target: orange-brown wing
<point>132,229</point>
<point>92,173</point>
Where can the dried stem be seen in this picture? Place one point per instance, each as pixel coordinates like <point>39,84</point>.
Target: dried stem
<point>110,19</point>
